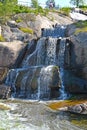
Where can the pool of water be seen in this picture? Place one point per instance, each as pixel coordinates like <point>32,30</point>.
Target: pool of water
<point>36,115</point>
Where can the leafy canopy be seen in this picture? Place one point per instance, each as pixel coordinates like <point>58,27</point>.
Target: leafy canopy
<point>77,2</point>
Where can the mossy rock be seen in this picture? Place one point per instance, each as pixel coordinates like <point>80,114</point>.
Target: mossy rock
<point>2,38</point>
<point>26,30</point>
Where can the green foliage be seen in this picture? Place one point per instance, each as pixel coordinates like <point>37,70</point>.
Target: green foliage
<point>48,3</point>
<point>26,30</point>
<point>65,11</point>
<point>81,24</point>
<point>2,38</point>
<point>34,3</point>
<point>77,2</point>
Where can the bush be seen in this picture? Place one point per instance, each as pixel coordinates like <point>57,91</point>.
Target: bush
<point>65,11</point>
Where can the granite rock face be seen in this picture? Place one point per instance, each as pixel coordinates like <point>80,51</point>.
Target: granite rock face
<point>11,53</point>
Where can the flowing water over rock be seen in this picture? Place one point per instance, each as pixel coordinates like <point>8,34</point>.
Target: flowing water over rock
<point>38,77</point>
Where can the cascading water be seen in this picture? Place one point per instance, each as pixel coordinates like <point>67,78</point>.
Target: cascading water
<point>38,77</point>
<point>59,32</point>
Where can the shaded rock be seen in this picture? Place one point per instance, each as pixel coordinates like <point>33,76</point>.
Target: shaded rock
<point>74,84</point>
<point>12,24</point>
<point>3,73</point>
<point>5,91</point>
<point>11,53</point>
<point>70,30</point>
<point>34,82</point>
<point>6,33</point>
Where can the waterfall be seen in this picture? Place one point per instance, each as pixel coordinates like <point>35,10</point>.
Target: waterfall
<point>38,77</point>
<point>61,52</point>
<point>11,80</point>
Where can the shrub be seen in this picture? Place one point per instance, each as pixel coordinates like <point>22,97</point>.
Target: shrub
<point>65,10</point>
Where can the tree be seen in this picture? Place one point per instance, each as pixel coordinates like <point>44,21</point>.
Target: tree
<point>50,3</point>
<point>7,7</point>
<point>34,3</point>
<point>77,2</point>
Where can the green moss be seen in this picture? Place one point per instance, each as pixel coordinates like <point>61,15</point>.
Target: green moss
<point>19,20</point>
<point>2,38</point>
<point>81,30</point>
<point>27,30</point>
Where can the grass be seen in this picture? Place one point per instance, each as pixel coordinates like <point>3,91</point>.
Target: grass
<point>65,11</point>
<point>27,30</point>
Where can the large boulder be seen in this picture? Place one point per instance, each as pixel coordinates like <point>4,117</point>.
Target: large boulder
<point>34,82</point>
<point>11,53</point>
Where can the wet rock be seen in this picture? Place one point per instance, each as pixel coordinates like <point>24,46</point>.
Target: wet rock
<point>5,91</point>
<point>11,53</point>
<point>34,82</point>
<point>80,108</point>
